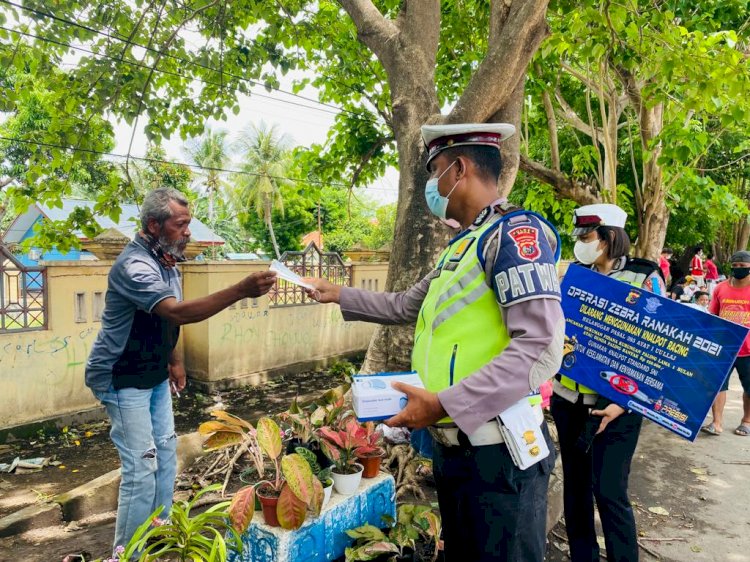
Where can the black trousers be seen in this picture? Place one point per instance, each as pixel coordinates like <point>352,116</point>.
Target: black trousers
<point>601,473</point>
<point>490,509</point>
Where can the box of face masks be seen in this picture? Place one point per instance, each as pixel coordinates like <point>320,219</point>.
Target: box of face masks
<point>374,398</point>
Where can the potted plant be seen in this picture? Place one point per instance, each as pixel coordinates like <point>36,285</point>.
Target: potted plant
<point>321,473</point>
<point>288,494</point>
<point>303,421</point>
<point>415,525</point>
<point>340,445</point>
<point>185,535</point>
<point>371,453</point>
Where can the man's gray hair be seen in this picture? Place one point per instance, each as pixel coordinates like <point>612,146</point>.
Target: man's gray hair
<point>156,205</point>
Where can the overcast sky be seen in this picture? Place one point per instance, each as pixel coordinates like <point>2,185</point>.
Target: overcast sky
<point>304,122</point>
<point>303,125</point>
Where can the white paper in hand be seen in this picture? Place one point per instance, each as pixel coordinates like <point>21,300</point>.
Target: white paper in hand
<point>283,272</point>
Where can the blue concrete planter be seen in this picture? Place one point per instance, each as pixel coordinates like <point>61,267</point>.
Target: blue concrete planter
<point>323,538</point>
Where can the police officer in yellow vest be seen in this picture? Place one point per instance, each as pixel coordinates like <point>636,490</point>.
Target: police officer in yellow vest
<point>489,330</point>
<point>597,437</point>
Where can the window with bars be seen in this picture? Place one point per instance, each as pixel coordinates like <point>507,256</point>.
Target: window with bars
<point>23,295</point>
<point>310,262</point>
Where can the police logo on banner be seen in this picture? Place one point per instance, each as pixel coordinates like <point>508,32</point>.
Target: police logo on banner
<point>525,266</point>
<point>526,239</point>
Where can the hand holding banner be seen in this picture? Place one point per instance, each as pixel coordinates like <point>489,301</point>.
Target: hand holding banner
<point>661,359</point>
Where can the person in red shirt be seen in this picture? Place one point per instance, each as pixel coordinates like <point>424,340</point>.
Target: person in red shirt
<point>731,301</point>
<point>696,267</point>
<point>666,255</point>
<point>712,273</point>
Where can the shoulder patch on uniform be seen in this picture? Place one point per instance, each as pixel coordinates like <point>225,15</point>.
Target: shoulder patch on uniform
<point>525,265</point>
<point>526,239</point>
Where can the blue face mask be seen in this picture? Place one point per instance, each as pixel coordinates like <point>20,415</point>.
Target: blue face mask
<point>437,204</point>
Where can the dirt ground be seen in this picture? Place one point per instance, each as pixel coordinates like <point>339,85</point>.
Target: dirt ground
<point>690,498</point>
<point>86,452</point>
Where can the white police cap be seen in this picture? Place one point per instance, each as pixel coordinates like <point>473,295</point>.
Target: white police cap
<point>440,137</point>
<point>588,217</point>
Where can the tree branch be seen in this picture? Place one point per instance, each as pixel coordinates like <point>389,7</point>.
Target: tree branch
<point>506,61</point>
<point>373,29</point>
<point>566,187</point>
<point>585,80</point>
<point>499,11</point>
<point>552,129</point>
<point>382,141</point>
<point>571,116</point>
<point>511,113</point>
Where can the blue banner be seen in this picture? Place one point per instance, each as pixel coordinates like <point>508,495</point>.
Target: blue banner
<point>657,357</point>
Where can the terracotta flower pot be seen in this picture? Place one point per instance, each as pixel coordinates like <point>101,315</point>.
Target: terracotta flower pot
<point>371,464</point>
<point>268,503</point>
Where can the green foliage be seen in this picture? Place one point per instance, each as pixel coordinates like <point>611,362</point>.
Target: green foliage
<point>413,522</point>
<point>297,220</point>
<point>141,69</point>
<point>342,369</point>
<point>687,62</point>
<point>265,170</point>
<point>322,474</point>
<point>186,535</point>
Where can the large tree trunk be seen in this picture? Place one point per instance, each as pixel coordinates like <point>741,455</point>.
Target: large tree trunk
<point>510,150</point>
<point>743,236</point>
<point>407,49</point>
<point>653,215</point>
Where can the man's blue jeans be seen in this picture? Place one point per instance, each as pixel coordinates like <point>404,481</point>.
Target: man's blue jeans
<point>143,432</point>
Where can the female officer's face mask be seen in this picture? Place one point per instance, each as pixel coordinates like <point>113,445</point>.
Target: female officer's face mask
<point>438,204</point>
<point>587,252</point>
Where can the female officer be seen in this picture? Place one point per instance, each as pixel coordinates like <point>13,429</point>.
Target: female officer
<point>596,463</point>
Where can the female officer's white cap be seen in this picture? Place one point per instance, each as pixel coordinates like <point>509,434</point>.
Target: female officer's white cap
<point>440,137</point>
<point>588,217</point>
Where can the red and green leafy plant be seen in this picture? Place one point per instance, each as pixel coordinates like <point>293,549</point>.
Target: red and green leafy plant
<point>293,483</point>
<point>345,444</point>
<point>305,420</point>
<point>373,446</point>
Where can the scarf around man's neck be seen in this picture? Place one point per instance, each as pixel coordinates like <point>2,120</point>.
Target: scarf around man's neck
<point>166,259</point>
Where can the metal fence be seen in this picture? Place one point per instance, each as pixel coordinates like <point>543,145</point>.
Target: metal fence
<point>23,295</point>
<point>310,262</point>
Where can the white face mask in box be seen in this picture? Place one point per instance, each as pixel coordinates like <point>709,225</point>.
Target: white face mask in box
<point>587,252</point>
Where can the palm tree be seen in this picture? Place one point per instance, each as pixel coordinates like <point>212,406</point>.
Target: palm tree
<point>265,166</point>
<point>211,153</point>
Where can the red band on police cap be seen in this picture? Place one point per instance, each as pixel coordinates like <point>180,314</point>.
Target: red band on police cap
<point>583,221</point>
<point>439,144</point>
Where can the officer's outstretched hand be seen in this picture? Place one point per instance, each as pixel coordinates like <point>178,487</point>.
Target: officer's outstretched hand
<point>608,414</point>
<point>422,409</point>
<point>257,284</point>
<point>323,291</point>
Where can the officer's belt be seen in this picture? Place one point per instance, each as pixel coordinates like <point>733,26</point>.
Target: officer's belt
<point>487,434</point>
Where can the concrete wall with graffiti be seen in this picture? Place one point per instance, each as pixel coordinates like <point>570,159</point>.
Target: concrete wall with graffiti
<point>42,371</point>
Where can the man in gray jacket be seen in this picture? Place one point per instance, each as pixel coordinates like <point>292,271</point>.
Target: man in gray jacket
<point>489,331</point>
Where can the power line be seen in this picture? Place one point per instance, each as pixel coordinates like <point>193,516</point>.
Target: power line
<point>146,67</point>
<point>195,166</point>
<point>180,59</point>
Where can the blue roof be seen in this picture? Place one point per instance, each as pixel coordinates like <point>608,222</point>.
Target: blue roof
<point>128,224</point>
